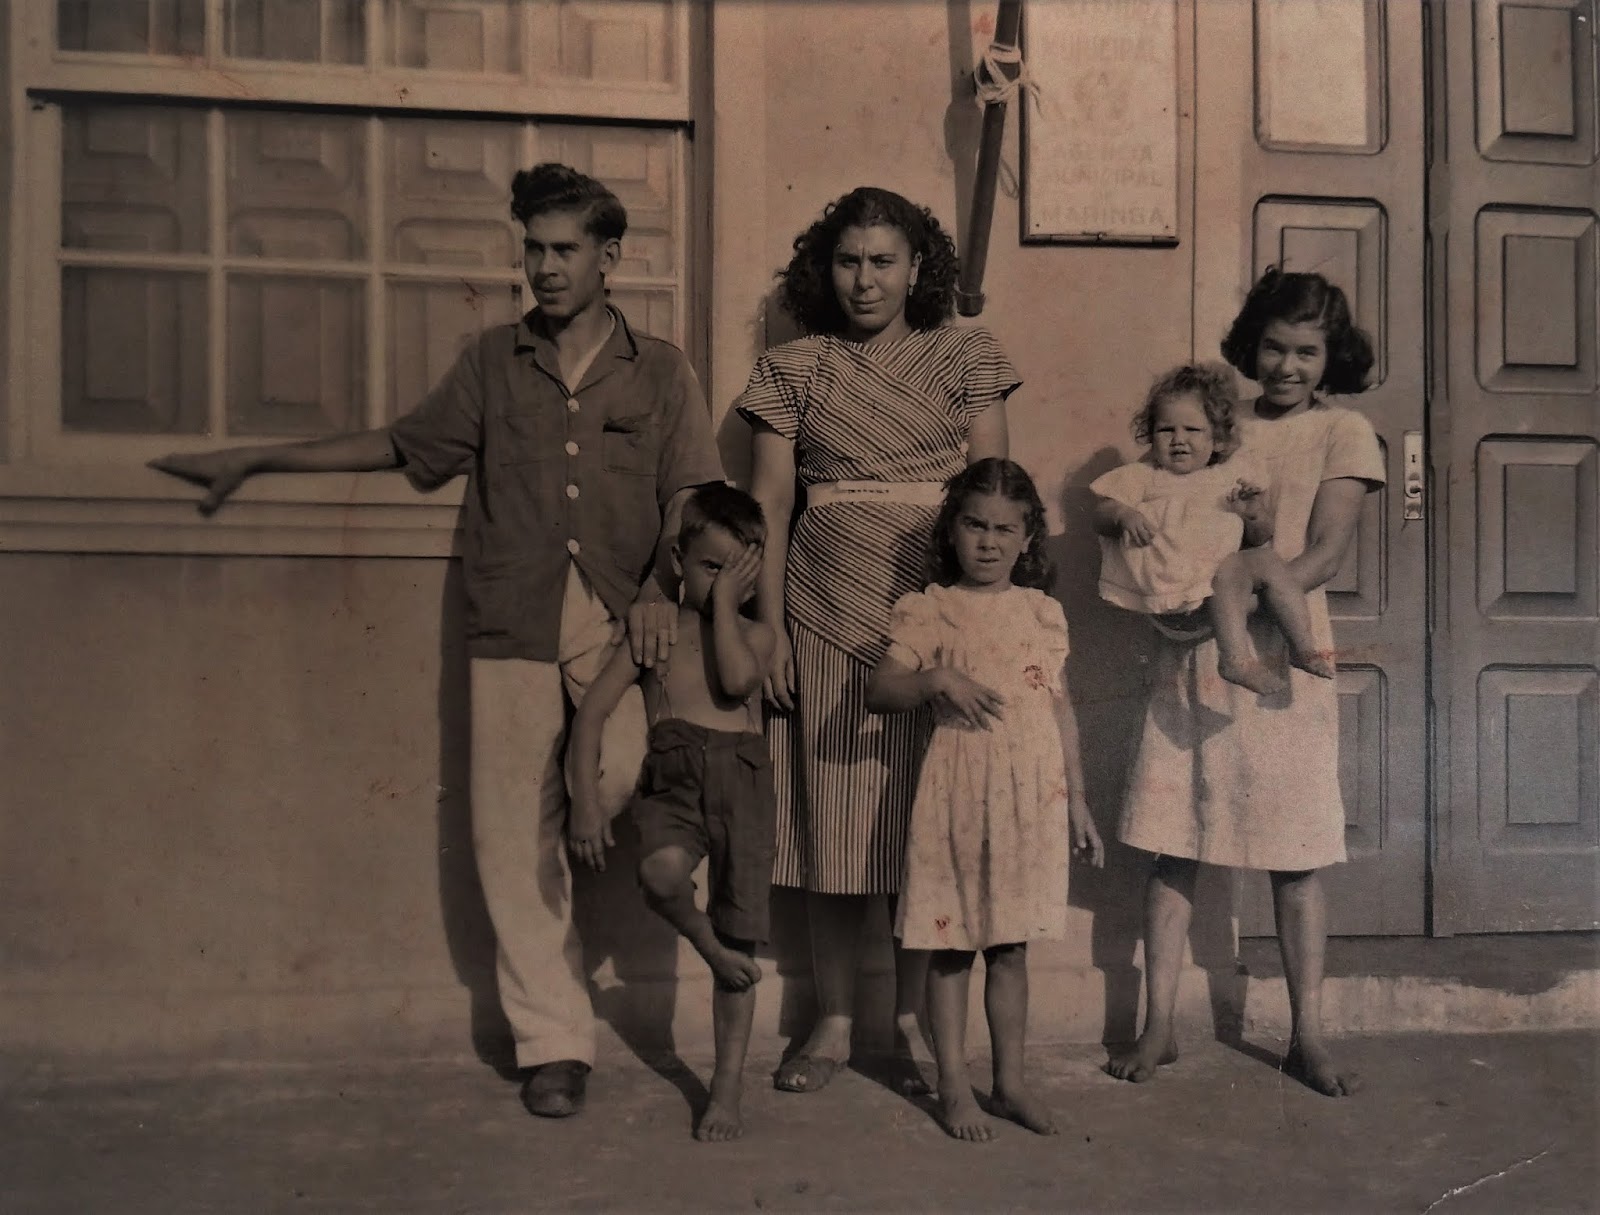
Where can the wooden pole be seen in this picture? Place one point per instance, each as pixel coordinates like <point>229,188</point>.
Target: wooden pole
<point>975,252</point>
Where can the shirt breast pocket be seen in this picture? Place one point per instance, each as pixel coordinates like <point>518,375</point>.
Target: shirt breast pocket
<point>628,444</point>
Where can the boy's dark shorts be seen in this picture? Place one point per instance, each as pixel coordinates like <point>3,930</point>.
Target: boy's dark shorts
<point>710,793</point>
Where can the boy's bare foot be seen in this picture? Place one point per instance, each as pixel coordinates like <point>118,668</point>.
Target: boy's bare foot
<point>720,1121</point>
<point>734,970</point>
<point>961,1118</point>
<point>1316,662</point>
<point>1024,1109</point>
<point>1253,675</point>
<point>1308,1061</point>
<point>1140,1063</point>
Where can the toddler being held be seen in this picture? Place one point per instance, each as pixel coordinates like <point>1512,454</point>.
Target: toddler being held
<point>1172,522</point>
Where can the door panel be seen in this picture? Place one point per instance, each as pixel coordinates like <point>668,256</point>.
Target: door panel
<point>1516,427</point>
<point>1335,176</point>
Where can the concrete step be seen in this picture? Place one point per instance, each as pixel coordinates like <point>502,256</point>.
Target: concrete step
<point>1484,984</point>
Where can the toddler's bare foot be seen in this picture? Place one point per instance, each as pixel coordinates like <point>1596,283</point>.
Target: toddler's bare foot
<point>1140,1063</point>
<point>1021,1107</point>
<point>1317,662</point>
<point>1308,1061</point>
<point>1253,675</point>
<point>961,1118</point>
<point>734,971</point>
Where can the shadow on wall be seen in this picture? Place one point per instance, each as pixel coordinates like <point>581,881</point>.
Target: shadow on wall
<point>1107,670</point>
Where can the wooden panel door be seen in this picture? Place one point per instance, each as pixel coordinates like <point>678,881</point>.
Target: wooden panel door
<point>1335,175</point>
<point>1516,439</point>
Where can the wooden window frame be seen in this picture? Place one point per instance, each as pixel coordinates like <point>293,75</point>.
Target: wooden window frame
<point>97,496</point>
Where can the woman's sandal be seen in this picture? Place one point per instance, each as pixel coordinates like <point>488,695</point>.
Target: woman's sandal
<point>804,1073</point>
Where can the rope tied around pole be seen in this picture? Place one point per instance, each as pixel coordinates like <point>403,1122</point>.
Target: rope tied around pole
<point>994,85</point>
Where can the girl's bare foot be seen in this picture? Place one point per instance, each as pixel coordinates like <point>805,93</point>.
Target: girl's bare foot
<point>1308,1061</point>
<point>1253,675</point>
<point>1020,1106</point>
<point>1140,1063</point>
<point>961,1118</point>
<point>734,970</point>
<point>719,1122</point>
<point>1316,662</point>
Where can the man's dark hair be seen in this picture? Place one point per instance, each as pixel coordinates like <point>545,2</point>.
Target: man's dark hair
<point>555,187</point>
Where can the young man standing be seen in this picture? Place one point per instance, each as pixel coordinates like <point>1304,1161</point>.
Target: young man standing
<point>581,439</point>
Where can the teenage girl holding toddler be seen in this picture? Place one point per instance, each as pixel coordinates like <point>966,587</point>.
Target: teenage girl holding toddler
<point>1000,803</point>
<point>1171,524</point>
<point>1226,775</point>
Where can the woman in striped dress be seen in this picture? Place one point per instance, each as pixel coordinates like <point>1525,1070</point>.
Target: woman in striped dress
<point>871,412</point>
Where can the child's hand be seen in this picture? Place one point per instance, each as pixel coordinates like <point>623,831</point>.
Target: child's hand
<point>736,581</point>
<point>966,698</point>
<point>1137,530</point>
<point>1086,845</point>
<point>588,836</point>
<point>1248,501</point>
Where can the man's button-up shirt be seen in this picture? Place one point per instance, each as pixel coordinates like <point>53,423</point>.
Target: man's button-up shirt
<point>557,474</point>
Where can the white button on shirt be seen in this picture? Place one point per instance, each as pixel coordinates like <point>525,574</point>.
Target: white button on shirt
<point>572,491</point>
<point>572,448</point>
<point>572,547</point>
<point>572,405</point>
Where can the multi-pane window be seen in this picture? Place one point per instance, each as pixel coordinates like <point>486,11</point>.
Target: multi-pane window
<point>259,219</point>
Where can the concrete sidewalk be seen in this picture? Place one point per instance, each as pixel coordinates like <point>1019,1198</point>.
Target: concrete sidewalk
<point>1446,1124</point>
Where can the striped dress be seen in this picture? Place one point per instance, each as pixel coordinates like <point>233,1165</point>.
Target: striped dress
<point>896,412</point>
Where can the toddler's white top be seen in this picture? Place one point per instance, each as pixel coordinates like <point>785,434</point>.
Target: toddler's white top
<point>1194,532</point>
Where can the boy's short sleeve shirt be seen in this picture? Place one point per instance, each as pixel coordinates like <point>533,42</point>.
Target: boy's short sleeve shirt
<point>557,476</point>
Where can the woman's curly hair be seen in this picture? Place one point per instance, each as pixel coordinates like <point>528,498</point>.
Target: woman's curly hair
<point>1212,385</point>
<point>806,292</point>
<point>1296,299</point>
<point>1011,481</point>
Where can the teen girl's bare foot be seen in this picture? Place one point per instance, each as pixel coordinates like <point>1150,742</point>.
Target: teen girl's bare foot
<point>960,1116</point>
<point>1253,675</point>
<point>1308,1061</point>
<point>1140,1063</point>
<point>1021,1107</point>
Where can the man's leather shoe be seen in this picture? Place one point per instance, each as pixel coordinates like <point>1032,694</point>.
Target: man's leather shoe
<point>555,1090</point>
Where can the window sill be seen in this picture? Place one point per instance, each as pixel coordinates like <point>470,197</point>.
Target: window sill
<point>123,510</point>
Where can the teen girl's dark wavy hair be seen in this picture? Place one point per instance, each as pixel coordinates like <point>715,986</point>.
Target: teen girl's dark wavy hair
<point>1296,299</point>
<point>1212,386</point>
<point>556,187</point>
<point>806,290</point>
<point>1011,481</point>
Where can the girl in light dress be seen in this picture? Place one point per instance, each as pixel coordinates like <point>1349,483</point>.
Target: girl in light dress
<point>1000,803</point>
<point>1171,524</point>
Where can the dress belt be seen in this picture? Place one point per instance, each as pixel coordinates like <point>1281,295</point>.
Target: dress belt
<point>918,493</point>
